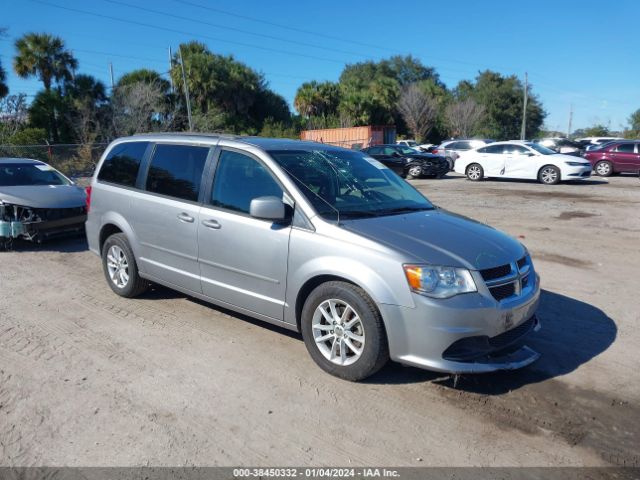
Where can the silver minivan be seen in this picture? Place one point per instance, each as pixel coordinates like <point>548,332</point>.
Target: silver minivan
<point>318,239</point>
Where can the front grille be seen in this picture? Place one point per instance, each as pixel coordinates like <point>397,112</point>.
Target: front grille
<point>50,214</point>
<point>495,272</point>
<point>522,262</point>
<point>503,291</point>
<point>511,336</point>
<point>525,281</point>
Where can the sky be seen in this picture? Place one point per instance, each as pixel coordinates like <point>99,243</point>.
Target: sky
<point>578,54</point>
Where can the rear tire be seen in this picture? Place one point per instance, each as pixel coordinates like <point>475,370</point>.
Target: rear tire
<point>343,331</point>
<point>120,268</point>
<point>604,168</point>
<point>475,172</point>
<point>549,175</point>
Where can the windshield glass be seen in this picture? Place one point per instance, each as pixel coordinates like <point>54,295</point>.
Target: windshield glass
<point>540,149</point>
<point>408,150</point>
<point>20,174</point>
<point>343,184</point>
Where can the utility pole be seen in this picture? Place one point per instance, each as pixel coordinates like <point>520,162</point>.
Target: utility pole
<point>524,110</point>
<point>570,120</point>
<point>170,67</point>
<point>111,73</point>
<point>186,90</point>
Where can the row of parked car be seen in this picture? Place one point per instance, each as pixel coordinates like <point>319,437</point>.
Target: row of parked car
<point>549,160</point>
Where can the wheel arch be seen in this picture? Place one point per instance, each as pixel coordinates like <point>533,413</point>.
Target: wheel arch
<point>114,223</point>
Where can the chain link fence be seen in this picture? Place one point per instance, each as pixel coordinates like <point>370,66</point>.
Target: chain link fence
<point>72,159</point>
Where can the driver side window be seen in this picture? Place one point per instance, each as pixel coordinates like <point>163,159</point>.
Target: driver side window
<point>238,180</point>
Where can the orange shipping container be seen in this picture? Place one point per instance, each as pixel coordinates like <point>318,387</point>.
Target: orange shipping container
<point>352,137</point>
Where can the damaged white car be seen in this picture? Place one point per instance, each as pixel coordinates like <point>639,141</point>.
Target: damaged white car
<point>37,202</point>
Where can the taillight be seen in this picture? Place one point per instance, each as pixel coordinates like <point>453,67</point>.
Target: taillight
<point>88,198</point>
<point>434,151</point>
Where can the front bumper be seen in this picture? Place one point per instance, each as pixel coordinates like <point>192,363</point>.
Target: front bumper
<point>425,336</point>
<point>576,173</point>
<point>434,168</point>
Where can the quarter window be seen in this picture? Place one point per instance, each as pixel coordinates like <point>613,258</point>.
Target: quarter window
<point>176,171</point>
<point>122,163</point>
<point>238,180</point>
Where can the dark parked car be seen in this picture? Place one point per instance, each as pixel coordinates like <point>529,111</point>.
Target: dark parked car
<point>409,162</point>
<point>615,157</point>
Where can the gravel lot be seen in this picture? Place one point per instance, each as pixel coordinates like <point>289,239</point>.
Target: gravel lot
<point>90,379</point>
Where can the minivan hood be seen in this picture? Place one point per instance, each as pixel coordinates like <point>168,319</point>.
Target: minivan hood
<point>439,237</point>
<point>44,196</point>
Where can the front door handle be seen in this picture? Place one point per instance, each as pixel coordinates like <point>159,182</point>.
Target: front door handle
<point>185,217</point>
<point>211,224</point>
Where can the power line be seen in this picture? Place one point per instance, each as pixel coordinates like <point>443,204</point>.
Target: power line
<point>287,27</point>
<point>234,29</point>
<point>191,34</point>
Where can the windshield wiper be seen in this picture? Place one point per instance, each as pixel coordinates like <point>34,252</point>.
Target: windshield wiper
<point>358,213</point>
<point>393,211</point>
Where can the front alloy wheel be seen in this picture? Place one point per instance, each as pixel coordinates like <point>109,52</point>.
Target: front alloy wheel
<point>338,332</point>
<point>415,171</point>
<point>603,169</point>
<point>549,175</point>
<point>343,331</point>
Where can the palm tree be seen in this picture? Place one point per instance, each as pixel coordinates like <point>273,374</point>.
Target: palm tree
<point>4,89</point>
<point>45,56</point>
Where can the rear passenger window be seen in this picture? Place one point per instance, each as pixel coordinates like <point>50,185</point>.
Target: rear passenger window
<point>122,164</point>
<point>492,149</point>
<point>238,180</point>
<point>625,148</point>
<point>176,171</point>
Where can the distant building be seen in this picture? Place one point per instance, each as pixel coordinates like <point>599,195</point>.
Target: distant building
<point>352,137</point>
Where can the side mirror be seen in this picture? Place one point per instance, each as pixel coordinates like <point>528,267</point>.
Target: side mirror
<point>267,208</point>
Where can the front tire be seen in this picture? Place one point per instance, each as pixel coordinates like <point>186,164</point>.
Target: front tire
<point>120,268</point>
<point>604,168</point>
<point>415,171</point>
<point>549,175</point>
<point>475,172</point>
<point>343,331</point>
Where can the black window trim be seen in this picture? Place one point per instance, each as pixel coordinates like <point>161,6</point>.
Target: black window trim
<point>208,190</point>
<point>143,160</point>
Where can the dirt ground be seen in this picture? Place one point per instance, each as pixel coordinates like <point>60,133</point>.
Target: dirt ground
<point>90,379</point>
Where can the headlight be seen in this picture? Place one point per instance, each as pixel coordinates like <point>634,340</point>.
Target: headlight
<point>576,164</point>
<point>439,282</point>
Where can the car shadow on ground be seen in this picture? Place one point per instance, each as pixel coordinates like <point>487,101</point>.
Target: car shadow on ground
<point>590,181</point>
<point>572,333</point>
<point>63,245</point>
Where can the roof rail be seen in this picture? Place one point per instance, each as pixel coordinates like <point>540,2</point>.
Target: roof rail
<point>194,134</point>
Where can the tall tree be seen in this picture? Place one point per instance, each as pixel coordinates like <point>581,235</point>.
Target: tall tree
<point>418,110</point>
<point>45,56</point>
<point>4,88</point>
<point>634,121</point>
<point>463,116</point>
<point>502,98</point>
<point>317,98</point>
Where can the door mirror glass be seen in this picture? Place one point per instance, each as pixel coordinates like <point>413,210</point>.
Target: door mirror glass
<point>267,208</point>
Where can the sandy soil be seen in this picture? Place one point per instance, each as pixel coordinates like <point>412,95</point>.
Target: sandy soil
<point>90,379</point>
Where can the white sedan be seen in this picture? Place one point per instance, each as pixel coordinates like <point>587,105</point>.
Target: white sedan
<point>522,160</point>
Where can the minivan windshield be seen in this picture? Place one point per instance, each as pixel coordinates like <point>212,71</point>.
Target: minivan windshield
<point>343,184</point>
<point>24,174</point>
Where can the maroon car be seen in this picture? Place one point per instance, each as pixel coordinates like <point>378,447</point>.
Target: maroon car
<point>615,157</point>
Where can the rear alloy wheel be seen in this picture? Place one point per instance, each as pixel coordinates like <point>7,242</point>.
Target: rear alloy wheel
<point>549,175</point>
<point>343,331</point>
<point>120,267</point>
<point>415,171</point>
<point>604,168</point>
<point>475,172</point>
